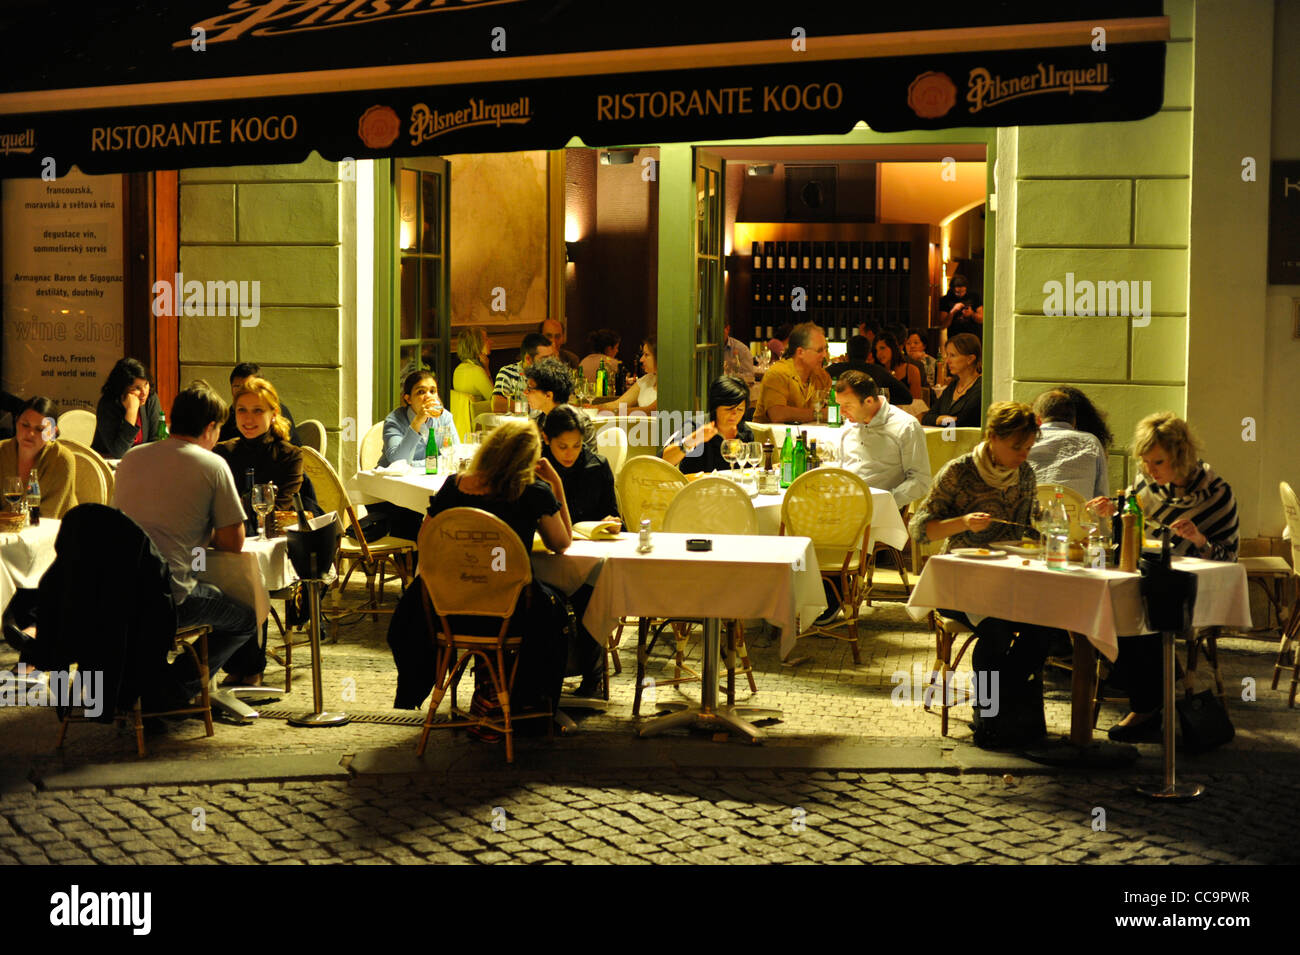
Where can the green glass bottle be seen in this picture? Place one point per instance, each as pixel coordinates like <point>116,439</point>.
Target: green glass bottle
<point>787,459</point>
<point>1138,518</point>
<point>800,455</point>
<point>833,410</point>
<point>162,431</point>
<point>600,381</point>
<point>431,451</point>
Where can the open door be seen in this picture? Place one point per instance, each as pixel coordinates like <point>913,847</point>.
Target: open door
<point>709,229</point>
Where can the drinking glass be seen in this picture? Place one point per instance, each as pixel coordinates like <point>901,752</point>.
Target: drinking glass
<point>14,492</point>
<point>263,504</point>
<point>732,448</point>
<point>818,402</point>
<point>754,454</point>
<point>1039,519</point>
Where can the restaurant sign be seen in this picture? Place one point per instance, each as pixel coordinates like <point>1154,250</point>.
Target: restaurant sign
<point>1284,222</point>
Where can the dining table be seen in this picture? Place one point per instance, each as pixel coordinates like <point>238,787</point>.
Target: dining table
<point>738,577</point>
<point>407,487</point>
<point>1095,605</point>
<point>25,555</point>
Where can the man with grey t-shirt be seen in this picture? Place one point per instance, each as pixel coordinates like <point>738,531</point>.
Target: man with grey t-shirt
<point>184,497</point>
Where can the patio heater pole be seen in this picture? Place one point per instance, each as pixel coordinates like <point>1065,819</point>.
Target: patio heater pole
<point>1171,789</point>
<point>318,716</point>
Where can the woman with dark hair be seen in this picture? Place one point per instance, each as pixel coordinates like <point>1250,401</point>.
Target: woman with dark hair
<point>994,483</point>
<point>603,343</point>
<point>406,438</point>
<point>891,356</point>
<point>508,479</point>
<point>960,402</point>
<point>914,345</point>
<point>643,396</point>
<point>128,411</point>
<point>1088,417</point>
<point>701,450</point>
<point>34,450</point>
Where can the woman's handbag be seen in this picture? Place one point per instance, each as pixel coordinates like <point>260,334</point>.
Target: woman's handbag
<point>1203,719</point>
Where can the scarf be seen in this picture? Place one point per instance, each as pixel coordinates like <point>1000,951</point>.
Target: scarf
<point>992,473</point>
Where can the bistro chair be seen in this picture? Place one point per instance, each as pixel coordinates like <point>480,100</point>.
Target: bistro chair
<point>762,433</point>
<point>372,557</point>
<point>371,448</point>
<point>946,632</point>
<point>899,561</point>
<point>1271,572</point>
<point>456,549</point>
<point>612,443</point>
<point>93,478</point>
<point>944,444</point>
<point>1075,505</point>
<point>77,425</point>
<point>312,433</point>
<point>1287,655</point>
<point>712,505</point>
<point>833,507</point>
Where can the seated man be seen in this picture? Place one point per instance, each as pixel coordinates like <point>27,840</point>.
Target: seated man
<point>788,387</point>
<point>556,334</point>
<point>882,445</point>
<point>549,385</point>
<point>184,498</point>
<point>859,359</point>
<point>1062,455</point>
<point>238,375</point>
<point>512,378</point>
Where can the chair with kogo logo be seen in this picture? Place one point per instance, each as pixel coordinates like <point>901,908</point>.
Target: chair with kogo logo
<point>473,565</point>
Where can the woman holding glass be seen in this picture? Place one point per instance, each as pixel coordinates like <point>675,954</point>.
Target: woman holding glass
<point>701,450</point>
<point>406,438</point>
<point>643,396</point>
<point>959,404</point>
<point>263,446</point>
<point>973,500</point>
<point>1183,499</point>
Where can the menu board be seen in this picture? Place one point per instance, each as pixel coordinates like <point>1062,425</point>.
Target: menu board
<point>63,298</point>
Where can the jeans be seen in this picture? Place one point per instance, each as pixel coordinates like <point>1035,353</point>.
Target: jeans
<point>233,642</point>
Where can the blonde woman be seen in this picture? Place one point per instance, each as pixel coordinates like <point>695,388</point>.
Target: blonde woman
<point>471,375</point>
<point>994,482</point>
<point>510,479</point>
<point>1182,498</point>
<point>263,443</point>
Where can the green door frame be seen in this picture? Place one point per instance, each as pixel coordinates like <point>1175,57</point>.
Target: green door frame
<point>677,267</point>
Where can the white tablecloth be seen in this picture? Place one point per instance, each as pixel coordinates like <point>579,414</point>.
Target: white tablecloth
<point>24,558</point>
<point>411,490</point>
<point>775,578</point>
<point>1100,604</point>
<point>249,576</point>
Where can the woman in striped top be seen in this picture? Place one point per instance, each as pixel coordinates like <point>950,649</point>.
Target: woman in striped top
<point>1183,498</point>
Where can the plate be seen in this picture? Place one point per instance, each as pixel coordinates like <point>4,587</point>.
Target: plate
<point>1020,548</point>
<point>979,553</point>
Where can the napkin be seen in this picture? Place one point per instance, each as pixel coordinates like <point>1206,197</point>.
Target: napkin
<point>396,468</point>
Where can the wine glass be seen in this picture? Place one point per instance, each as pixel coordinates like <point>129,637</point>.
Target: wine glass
<point>754,453</point>
<point>818,402</point>
<point>263,504</point>
<point>732,448</point>
<point>14,492</point>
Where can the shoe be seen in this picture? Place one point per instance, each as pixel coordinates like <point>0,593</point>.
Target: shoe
<point>234,679</point>
<point>588,688</point>
<point>830,615</point>
<point>15,637</point>
<point>1149,730</point>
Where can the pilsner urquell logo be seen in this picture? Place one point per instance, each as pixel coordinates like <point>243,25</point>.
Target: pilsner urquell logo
<point>427,124</point>
<point>24,142</point>
<point>991,89</point>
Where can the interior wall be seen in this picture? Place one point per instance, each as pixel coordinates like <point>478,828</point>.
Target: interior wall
<point>928,191</point>
<point>579,227</point>
<point>762,198</point>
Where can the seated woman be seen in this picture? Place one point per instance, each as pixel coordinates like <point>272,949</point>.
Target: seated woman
<point>644,395</point>
<point>549,384</point>
<point>993,482</point>
<point>263,444</point>
<point>603,343</point>
<point>406,438</point>
<point>471,375</point>
<point>959,405</point>
<point>589,489</point>
<point>128,411</point>
<point>701,450</point>
<point>890,356</point>
<point>510,479</point>
<point>914,345</point>
<point>34,450</point>
<point>1182,499</point>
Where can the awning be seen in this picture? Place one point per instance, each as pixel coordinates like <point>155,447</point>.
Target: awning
<point>268,81</point>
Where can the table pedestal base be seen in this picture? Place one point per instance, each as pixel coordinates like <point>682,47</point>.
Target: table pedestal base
<point>320,719</point>
<point>1176,791</point>
<point>708,713</point>
<point>319,716</point>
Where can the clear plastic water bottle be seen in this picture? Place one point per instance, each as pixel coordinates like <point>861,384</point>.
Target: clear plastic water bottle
<point>644,544</point>
<point>1058,535</point>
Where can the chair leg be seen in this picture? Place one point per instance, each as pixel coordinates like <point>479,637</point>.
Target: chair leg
<point>1212,656</point>
<point>730,650</point>
<point>642,632</point>
<point>1289,633</point>
<point>850,600</point>
<point>276,617</point>
<point>503,698</point>
<point>742,650</point>
<point>138,720</point>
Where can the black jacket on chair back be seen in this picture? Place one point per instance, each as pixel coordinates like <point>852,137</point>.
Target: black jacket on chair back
<point>106,604</point>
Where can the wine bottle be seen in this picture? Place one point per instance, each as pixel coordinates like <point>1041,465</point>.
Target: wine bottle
<point>832,409</point>
<point>787,459</point>
<point>756,256</point>
<point>431,451</point>
<point>800,455</point>
<point>250,525</point>
<point>814,460</point>
<point>302,511</point>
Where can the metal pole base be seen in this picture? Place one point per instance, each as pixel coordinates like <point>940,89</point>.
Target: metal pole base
<point>723,719</point>
<point>1175,791</point>
<point>320,719</point>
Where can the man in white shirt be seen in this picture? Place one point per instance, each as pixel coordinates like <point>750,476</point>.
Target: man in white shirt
<point>184,498</point>
<point>1062,455</point>
<point>881,444</point>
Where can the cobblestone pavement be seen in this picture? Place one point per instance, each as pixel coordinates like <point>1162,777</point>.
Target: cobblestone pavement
<point>630,817</point>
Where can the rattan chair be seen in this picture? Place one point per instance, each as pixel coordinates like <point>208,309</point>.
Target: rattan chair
<point>372,557</point>
<point>900,563</point>
<point>946,632</point>
<point>472,564</point>
<point>713,505</point>
<point>612,442</point>
<point>833,507</point>
<point>1074,503</point>
<point>93,478</point>
<point>944,444</point>
<point>313,435</point>
<point>77,425</point>
<point>1287,655</point>
<point>371,447</point>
